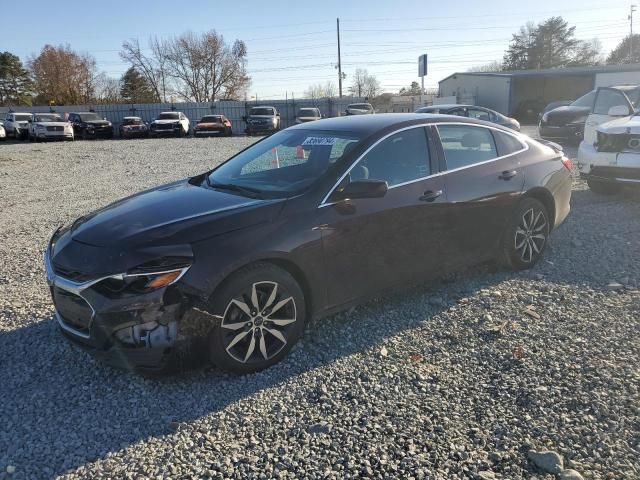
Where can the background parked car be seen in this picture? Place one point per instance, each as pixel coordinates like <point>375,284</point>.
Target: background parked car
<point>473,111</point>
<point>88,125</point>
<point>359,109</point>
<point>553,106</point>
<point>3,133</point>
<point>170,124</point>
<point>308,115</point>
<point>133,127</point>
<point>213,125</point>
<point>17,125</point>
<point>49,126</point>
<point>262,119</point>
<point>567,122</point>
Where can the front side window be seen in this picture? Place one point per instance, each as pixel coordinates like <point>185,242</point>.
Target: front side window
<point>400,158</point>
<point>285,163</point>
<point>607,99</point>
<point>465,145</point>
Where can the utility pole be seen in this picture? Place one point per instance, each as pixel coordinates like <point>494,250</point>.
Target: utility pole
<point>631,10</point>
<point>339,60</point>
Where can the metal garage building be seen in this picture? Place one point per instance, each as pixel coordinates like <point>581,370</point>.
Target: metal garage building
<point>506,91</point>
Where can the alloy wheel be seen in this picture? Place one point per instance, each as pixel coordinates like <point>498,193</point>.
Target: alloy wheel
<point>258,321</point>
<point>531,235</point>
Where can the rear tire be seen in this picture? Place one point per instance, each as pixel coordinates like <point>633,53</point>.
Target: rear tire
<point>603,188</point>
<point>526,235</point>
<point>262,311</point>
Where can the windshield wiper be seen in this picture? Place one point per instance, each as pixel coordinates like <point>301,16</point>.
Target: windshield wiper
<point>250,191</point>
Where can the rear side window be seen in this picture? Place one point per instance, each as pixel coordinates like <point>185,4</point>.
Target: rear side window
<point>401,158</point>
<point>506,144</point>
<point>607,99</point>
<point>465,145</point>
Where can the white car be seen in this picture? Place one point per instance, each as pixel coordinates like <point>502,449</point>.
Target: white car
<point>359,109</point>
<point>49,126</point>
<point>3,133</point>
<point>17,124</point>
<point>609,155</point>
<point>170,124</point>
<point>308,115</point>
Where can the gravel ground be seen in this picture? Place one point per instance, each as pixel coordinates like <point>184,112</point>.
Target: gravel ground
<point>464,378</point>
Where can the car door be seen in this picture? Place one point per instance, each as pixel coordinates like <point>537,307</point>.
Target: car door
<point>483,185</point>
<point>372,244</point>
<point>606,100</point>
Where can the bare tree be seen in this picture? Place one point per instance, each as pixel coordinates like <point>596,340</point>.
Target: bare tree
<point>107,89</point>
<point>322,90</point>
<point>206,68</point>
<point>364,84</point>
<point>152,67</point>
<point>494,66</point>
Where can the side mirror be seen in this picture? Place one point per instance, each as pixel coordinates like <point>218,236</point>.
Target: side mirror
<point>361,189</point>
<point>619,111</point>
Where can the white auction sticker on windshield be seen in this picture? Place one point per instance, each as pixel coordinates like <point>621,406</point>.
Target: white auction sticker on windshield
<point>319,141</point>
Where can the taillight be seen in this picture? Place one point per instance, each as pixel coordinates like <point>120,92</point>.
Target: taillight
<point>566,161</point>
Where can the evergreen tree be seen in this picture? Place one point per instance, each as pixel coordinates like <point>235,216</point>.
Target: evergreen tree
<point>136,89</point>
<point>15,82</point>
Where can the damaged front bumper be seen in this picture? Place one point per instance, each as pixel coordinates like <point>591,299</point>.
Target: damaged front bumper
<point>142,332</point>
<point>613,167</point>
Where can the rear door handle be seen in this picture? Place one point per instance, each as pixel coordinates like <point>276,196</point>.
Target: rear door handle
<point>430,195</point>
<point>507,175</point>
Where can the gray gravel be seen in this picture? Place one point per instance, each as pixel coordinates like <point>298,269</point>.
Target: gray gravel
<point>464,378</point>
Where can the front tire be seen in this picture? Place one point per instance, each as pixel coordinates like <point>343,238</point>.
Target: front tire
<point>262,311</point>
<point>603,188</point>
<point>526,235</point>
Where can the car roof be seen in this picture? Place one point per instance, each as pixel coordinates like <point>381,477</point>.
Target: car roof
<point>170,111</point>
<point>625,87</point>
<point>370,124</point>
<point>131,118</point>
<point>263,106</point>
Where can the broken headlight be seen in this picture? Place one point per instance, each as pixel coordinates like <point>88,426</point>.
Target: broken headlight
<point>145,278</point>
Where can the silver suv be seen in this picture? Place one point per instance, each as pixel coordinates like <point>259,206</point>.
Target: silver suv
<point>262,119</point>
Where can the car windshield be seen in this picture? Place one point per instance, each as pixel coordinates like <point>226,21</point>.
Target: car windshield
<point>261,111</point>
<point>23,117</point>
<point>132,121</point>
<point>308,112</point>
<point>89,117</point>
<point>283,164</point>
<point>585,100</point>
<point>361,106</point>
<point>169,116</point>
<point>211,119</point>
<point>48,118</point>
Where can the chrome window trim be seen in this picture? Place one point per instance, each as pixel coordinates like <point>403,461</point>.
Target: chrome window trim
<point>525,147</point>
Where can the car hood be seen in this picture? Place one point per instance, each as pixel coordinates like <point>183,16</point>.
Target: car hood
<point>97,123</point>
<point>567,113</point>
<point>209,125</point>
<point>52,124</point>
<point>164,122</point>
<point>262,117</point>
<point>179,212</point>
<point>308,119</point>
<point>621,125</point>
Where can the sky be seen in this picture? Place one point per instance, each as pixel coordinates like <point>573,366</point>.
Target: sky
<point>292,44</point>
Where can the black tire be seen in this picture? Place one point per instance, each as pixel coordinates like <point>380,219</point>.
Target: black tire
<point>603,188</point>
<point>246,348</point>
<point>526,235</point>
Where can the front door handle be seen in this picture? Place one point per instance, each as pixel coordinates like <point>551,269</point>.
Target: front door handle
<point>430,195</point>
<point>507,175</point>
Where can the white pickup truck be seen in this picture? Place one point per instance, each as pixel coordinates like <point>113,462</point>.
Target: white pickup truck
<point>609,155</point>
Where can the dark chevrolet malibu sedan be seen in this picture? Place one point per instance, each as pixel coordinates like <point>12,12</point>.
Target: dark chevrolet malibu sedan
<point>228,265</point>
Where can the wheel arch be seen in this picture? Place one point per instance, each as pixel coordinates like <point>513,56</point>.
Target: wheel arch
<point>545,197</point>
<point>285,264</point>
